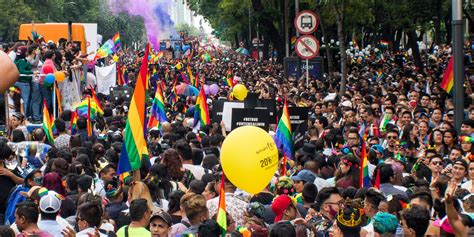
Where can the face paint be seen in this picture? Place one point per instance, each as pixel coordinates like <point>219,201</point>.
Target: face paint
<point>332,212</point>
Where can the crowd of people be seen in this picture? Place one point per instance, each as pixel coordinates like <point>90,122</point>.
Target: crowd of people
<point>421,169</point>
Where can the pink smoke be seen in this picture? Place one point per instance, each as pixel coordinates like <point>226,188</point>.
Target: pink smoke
<point>158,23</point>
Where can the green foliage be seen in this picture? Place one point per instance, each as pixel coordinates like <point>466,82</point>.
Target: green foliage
<point>189,30</point>
<point>15,13</point>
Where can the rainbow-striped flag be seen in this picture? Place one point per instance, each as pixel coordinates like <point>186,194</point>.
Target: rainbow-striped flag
<point>190,74</point>
<point>157,113</point>
<point>201,112</point>
<point>116,40</point>
<point>108,48</point>
<point>282,137</point>
<point>96,101</point>
<point>221,214</point>
<point>173,94</point>
<point>89,122</point>
<point>364,181</point>
<point>229,81</point>
<point>47,123</point>
<point>134,144</point>
<point>73,123</point>
<point>83,108</point>
<point>448,77</point>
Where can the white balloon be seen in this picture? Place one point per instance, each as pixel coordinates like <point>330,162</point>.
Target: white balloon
<point>337,42</point>
<point>332,41</point>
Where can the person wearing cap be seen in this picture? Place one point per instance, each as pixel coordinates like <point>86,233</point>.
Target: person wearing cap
<point>50,206</point>
<point>22,192</point>
<point>26,215</point>
<point>160,224</point>
<point>113,192</point>
<point>303,177</point>
<point>459,171</point>
<point>284,208</point>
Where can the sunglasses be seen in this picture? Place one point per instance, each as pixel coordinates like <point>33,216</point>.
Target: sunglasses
<point>391,137</point>
<point>436,162</point>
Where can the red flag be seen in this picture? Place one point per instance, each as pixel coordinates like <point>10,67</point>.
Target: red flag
<point>377,180</point>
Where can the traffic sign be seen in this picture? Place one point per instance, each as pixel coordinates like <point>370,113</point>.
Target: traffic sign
<point>306,22</point>
<point>307,47</point>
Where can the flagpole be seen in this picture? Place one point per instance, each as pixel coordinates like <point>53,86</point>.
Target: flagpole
<point>54,100</point>
<point>458,66</point>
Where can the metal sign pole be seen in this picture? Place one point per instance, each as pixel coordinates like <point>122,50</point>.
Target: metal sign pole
<point>307,72</point>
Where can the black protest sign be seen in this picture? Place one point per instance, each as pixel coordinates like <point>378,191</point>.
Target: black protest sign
<point>252,101</point>
<point>217,108</point>
<point>298,120</point>
<point>251,117</point>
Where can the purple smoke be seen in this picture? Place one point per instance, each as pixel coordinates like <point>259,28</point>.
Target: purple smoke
<point>158,23</point>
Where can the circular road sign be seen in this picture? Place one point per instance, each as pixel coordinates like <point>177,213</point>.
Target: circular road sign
<point>306,22</point>
<point>307,47</point>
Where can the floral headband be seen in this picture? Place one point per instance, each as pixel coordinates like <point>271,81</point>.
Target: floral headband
<point>347,162</point>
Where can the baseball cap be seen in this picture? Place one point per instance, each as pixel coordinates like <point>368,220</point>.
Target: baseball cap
<point>378,148</point>
<point>304,175</point>
<point>163,215</point>
<point>32,193</point>
<point>51,202</point>
<point>279,206</point>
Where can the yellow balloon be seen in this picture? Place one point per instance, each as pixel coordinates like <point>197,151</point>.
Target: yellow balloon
<point>249,158</point>
<point>240,92</point>
<point>179,66</point>
<point>59,76</point>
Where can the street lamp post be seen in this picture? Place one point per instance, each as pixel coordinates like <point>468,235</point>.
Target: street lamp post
<point>458,63</point>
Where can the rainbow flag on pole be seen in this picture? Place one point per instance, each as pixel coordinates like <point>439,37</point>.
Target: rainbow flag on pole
<point>47,123</point>
<point>201,112</point>
<point>448,77</point>
<point>158,113</point>
<point>229,80</point>
<point>221,214</point>
<point>96,101</point>
<point>134,145</point>
<point>73,123</point>
<point>282,136</point>
<point>364,181</point>
<point>116,40</point>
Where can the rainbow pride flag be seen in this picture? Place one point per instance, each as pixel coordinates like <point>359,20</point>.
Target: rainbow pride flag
<point>173,94</point>
<point>108,48</point>
<point>73,123</point>
<point>221,214</point>
<point>134,148</point>
<point>448,77</point>
<point>83,108</point>
<point>229,81</point>
<point>96,101</point>
<point>157,113</point>
<point>201,112</point>
<point>190,74</point>
<point>47,123</point>
<point>364,181</point>
<point>282,137</point>
<point>116,40</point>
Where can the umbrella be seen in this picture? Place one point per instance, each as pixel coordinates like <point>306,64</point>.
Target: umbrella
<point>187,90</point>
<point>243,51</point>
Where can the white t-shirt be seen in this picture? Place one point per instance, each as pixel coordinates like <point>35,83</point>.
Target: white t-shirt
<point>197,170</point>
